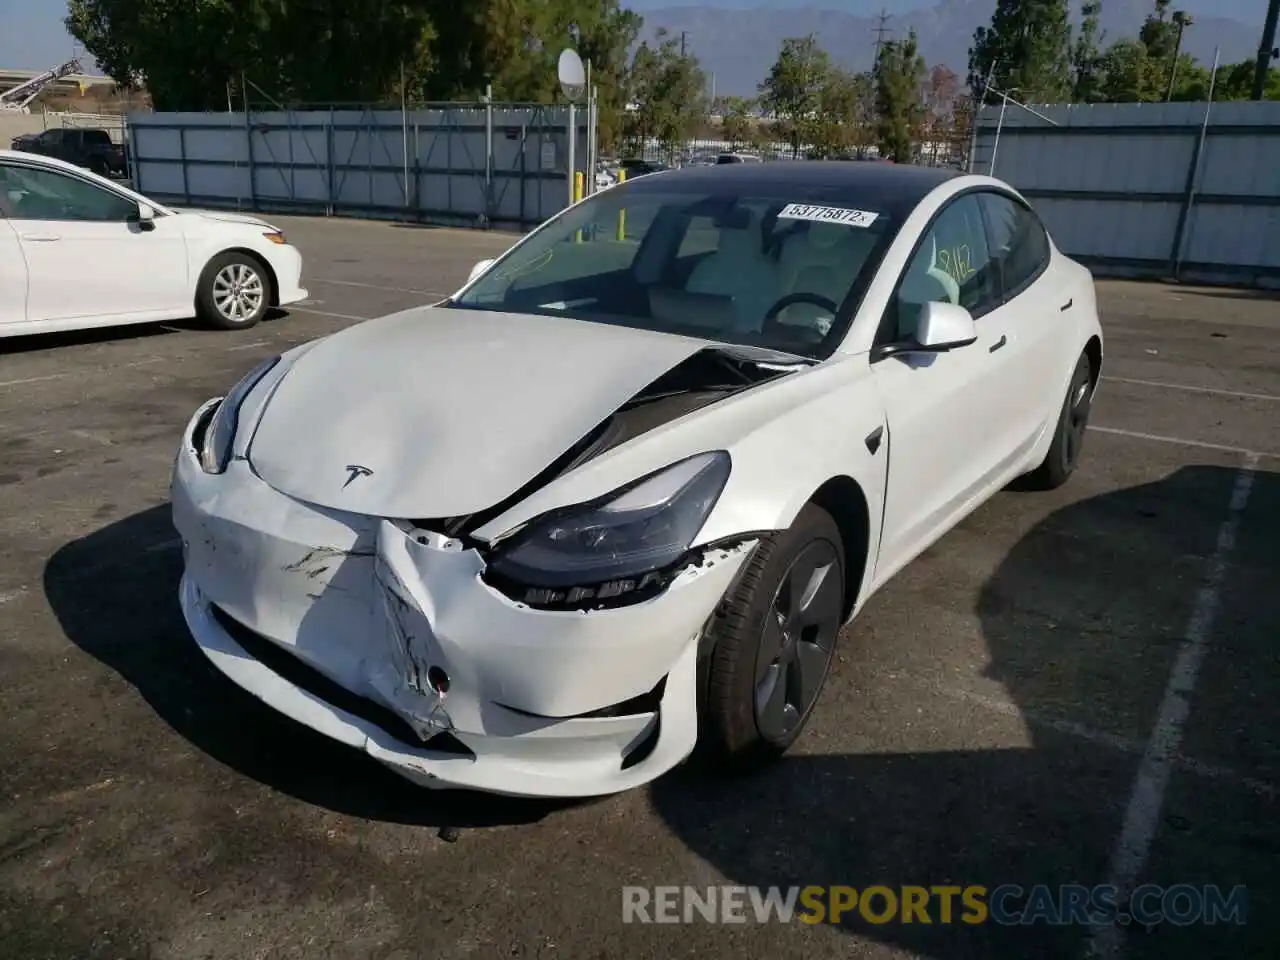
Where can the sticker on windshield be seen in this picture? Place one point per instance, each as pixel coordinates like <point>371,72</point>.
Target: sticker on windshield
<point>841,215</point>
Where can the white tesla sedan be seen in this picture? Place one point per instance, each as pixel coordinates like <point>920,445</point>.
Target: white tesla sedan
<point>618,495</point>
<point>78,250</point>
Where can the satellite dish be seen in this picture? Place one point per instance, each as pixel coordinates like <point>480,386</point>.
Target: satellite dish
<point>573,79</point>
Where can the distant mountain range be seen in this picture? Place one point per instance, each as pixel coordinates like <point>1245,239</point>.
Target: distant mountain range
<point>737,40</point>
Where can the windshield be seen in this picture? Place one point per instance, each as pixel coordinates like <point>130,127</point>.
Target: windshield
<point>775,271</point>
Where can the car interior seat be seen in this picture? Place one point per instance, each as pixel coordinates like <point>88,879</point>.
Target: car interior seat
<point>730,289</point>
<point>822,259</point>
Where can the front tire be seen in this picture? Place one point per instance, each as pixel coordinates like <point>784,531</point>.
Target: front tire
<point>1068,437</point>
<point>234,292</point>
<point>774,639</point>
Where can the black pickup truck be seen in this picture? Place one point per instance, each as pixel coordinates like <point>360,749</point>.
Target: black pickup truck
<point>92,149</point>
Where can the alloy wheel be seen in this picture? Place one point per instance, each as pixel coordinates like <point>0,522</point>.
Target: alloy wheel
<point>238,292</point>
<point>799,636</point>
<point>1077,422</point>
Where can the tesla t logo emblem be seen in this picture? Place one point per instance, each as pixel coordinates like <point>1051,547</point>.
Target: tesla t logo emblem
<point>354,471</point>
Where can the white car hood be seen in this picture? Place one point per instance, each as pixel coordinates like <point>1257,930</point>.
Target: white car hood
<point>223,216</point>
<point>450,411</point>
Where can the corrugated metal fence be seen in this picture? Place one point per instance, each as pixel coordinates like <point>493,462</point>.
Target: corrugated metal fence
<point>1182,190</point>
<point>468,164</point>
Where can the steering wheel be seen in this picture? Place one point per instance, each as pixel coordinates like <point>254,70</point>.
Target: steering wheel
<point>817,299</point>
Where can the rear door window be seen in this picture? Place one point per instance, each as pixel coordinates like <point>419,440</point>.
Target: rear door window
<point>1019,244</point>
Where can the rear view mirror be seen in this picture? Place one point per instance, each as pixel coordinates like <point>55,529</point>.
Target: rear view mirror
<point>945,326</point>
<point>479,268</point>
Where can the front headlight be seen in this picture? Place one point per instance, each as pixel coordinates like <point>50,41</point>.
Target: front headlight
<point>215,446</point>
<point>622,543</point>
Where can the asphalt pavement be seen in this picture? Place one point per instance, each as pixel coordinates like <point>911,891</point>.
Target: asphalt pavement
<point>1070,688</point>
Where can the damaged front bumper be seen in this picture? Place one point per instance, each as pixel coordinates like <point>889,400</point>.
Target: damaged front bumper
<point>385,638</point>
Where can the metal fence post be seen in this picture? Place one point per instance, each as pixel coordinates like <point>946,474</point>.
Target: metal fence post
<point>182,153</point>
<point>331,200</point>
<point>131,155</point>
<point>248,142</point>
<point>488,156</point>
<point>404,133</point>
<point>572,164</point>
<point>1184,213</point>
<point>417,173</point>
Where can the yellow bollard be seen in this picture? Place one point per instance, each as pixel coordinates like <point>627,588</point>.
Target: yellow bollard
<point>577,196</point>
<point>622,214</point>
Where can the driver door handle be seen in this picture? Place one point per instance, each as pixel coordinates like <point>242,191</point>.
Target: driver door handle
<point>998,344</point>
<point>40,237</point>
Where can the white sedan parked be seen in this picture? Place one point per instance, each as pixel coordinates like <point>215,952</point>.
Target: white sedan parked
<point>78,250</point>
<point>619,494</point>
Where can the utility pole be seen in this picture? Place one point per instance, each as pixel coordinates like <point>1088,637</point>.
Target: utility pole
<point>684,35</point>
<point>1182,21</point>
<point>1266,50</point>
<point>881,30</point>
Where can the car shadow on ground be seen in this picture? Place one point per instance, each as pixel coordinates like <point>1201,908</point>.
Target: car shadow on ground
<point>35,342</point>
<point>1082,622</point>
<point>115,594</point>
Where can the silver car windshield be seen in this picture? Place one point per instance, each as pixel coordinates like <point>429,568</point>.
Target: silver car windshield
<point>765,271</point>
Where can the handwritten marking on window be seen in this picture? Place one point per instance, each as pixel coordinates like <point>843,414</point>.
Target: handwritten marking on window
<point>957,262</point>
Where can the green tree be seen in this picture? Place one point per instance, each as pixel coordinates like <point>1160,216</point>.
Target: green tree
<point>792,91</point>
<point>1159,32</point>
<point>189,54</point>
<point>1128,75</point>
<point>519,42</point>
<point>668,91</point>
<point>1026,48</point>
<point>831,131</point>
<point>736,120</point>
<point>900,111</point>
<point>1086,54</point>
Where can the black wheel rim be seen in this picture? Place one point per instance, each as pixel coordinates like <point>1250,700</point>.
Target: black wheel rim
<point>1077,421</point>
<point>797,640</point>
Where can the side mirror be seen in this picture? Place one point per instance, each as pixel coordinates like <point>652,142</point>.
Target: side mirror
<point>940,326</point>
<point>945,326</point>
<point>479,268</point>
<point>146,216</point>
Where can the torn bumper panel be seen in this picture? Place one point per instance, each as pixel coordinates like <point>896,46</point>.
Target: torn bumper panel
<point>385,638</point>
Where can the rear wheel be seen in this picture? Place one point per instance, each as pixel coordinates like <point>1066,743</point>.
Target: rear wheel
<point>1068,438</point>
<point>234,292</point>
<point>773,643</point>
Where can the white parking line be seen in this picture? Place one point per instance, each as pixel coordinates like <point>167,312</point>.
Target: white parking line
<point>16,383</point>
<point>1190,389</point>
<point>1183,442</point>
<point>326,313</point>
<point>376,286</point>
<point>246,346</point>
<point>1133,846</point>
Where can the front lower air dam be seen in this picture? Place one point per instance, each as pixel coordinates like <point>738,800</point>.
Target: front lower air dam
<point>386,638</point>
